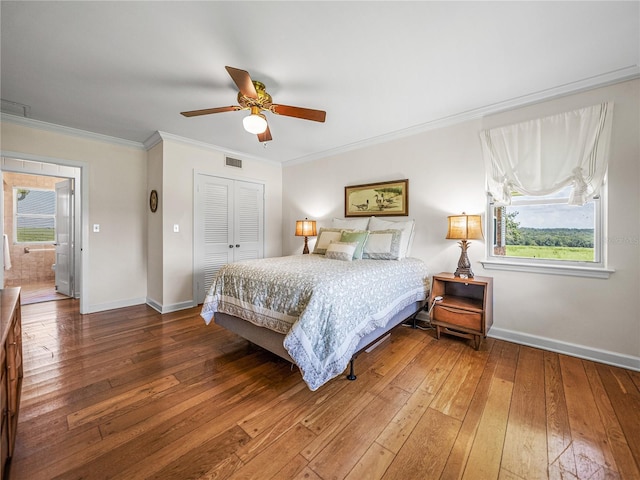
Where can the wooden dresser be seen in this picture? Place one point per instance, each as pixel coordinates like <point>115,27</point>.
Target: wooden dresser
<point>10,371</point>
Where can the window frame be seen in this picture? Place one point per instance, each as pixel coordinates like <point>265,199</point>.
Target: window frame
<point>16,215</point>
<point>595,269</point>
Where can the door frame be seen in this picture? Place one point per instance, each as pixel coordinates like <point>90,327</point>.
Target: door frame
<point>56,167</point>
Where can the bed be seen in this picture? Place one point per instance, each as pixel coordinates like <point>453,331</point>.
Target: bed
<point>315,311</point>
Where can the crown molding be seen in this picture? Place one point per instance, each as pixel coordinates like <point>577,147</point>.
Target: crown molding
<point>159,136</point>
<point>74,132</point>
<point>152,141</point>
<point>597,81</point>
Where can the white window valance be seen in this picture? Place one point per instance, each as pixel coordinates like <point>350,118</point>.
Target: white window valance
<point>542,156</point>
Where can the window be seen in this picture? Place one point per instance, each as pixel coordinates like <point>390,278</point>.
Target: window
<point>560,233</point>
<point>544,233</point>
<point>34,214</point>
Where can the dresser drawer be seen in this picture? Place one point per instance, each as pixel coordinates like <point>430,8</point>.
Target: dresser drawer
<point>17,329</point>
<point>14,369</point>
<point>13,356</point>
<point>457,316</point>
<point>4,417</point>
<point>4,443</point>
<point>3,392</point>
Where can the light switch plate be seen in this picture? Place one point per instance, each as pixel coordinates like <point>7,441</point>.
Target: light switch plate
<point>96,228</point>
<point>176,228</point>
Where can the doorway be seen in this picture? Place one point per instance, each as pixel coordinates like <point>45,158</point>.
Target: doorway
<point>77,173</point>
<point>37,225</point>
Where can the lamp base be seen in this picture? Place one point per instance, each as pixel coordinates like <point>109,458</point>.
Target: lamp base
<point>463,273</point>
<point>464,265</point>
<point>306,246</point>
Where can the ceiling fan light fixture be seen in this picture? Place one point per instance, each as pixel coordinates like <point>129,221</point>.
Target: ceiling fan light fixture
<point>253,96</point>
<point>256,122</point>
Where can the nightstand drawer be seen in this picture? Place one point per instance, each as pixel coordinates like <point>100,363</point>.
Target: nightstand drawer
<point>457,316</point>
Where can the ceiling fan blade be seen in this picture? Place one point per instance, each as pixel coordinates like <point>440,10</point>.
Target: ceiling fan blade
<point>265,136</point>
<point>207,111</point>
<point>299,112</point>
<point>242,79</point>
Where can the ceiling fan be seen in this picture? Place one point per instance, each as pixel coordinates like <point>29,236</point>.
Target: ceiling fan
<point>253,96</point>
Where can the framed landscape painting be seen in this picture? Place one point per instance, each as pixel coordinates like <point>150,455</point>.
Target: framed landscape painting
<point>385,198</point>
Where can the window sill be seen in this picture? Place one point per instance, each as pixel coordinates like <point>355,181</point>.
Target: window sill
<point>569,270</point>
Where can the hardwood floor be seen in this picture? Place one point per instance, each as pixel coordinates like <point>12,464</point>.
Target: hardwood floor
<point>132,394</point>
<point>39,292</point>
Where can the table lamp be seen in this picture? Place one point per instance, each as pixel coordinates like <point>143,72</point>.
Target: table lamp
<point>464,227</point>
<point>306,228</point>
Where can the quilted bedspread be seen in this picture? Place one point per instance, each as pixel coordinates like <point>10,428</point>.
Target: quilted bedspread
<point>323,306</point>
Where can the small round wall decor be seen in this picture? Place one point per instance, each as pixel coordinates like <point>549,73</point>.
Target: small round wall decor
<point>153,201</point>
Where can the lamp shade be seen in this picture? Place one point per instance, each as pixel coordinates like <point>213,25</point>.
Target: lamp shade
<point>306,228</point>
<point>465,227</point>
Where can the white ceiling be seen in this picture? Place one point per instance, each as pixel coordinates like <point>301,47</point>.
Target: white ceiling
<point>379,69</point>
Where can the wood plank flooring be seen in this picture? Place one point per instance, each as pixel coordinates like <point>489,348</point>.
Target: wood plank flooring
<point>132,394</point>
<point>39,292</point>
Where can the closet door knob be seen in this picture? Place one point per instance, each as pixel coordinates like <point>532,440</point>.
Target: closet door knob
<point>237,245</point>
<point>230,246</point>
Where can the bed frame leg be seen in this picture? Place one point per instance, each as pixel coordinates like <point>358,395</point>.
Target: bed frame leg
<point>414,317</point>
<point>351,375</point>
<point>414,320</point>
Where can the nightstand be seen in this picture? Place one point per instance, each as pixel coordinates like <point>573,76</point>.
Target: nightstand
<point>466,309</point>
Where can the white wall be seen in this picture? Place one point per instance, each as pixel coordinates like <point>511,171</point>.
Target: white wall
<point>154,228</point>
<point>136,257</point>
<point>180,158</point>
<point>600,314</point>
<point>594,318</point>
<point>115,259</point>
<point>120,178</point>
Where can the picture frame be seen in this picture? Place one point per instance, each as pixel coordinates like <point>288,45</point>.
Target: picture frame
<point>377,199</point>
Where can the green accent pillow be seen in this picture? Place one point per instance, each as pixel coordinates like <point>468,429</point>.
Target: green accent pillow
<point>359,236</point>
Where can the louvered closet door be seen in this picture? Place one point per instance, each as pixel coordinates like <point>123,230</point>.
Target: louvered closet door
<point>228,226</point>
<point>213,230</point>
<point>248,224</point>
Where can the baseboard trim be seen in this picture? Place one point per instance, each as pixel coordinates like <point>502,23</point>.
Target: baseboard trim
<point>602,356</point>
<point>101,307</point>
<point>170,308</point>
<point>155,305</point>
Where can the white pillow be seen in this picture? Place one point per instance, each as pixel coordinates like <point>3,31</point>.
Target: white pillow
<point>407,232</point>
<point>325,237</point>
<point>341,250</point>
<point>383,245</point>
<point>351,224</point>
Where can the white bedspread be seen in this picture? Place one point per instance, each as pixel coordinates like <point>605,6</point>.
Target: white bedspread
<point>323,306</point>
